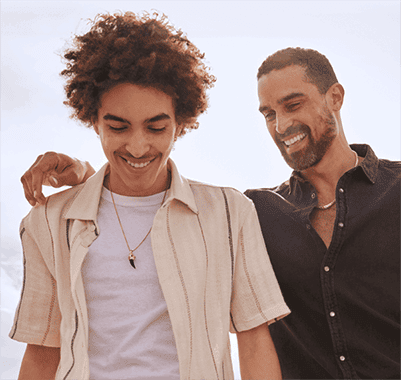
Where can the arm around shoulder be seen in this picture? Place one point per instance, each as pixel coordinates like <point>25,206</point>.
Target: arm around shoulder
<point>39,363</point>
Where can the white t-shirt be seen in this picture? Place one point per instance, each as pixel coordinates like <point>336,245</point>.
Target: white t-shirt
<point>130,333</point>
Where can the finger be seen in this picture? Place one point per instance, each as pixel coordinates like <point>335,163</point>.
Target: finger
<point>26,180</point>
<point>49,162</point>
<point>39,197</point>
<point>27,191</point>
<point>39,171</point>
<point>53,181</point>
<point>72,172</point>
<point>37,181</point>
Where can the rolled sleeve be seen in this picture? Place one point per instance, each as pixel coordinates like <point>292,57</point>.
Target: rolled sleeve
<point>256,297</point>
<point>37,317</point>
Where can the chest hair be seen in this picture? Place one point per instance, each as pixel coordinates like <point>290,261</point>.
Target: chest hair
<point>323,222</point>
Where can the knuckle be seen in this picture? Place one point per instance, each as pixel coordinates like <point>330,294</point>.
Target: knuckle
<point>50,154</point>
<point>35,171</point>
<point>25,177</point>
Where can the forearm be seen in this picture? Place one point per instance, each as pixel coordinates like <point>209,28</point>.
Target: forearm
<point>257,355</point>
<point>39,363</point>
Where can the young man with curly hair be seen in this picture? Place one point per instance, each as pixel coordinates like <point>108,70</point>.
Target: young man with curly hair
<point>140,273</point>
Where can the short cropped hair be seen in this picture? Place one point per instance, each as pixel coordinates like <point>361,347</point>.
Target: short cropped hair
<point>317,67</point>
<point>144,50</point>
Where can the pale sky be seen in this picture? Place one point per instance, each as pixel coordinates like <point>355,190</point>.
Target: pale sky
<point>232,146</point>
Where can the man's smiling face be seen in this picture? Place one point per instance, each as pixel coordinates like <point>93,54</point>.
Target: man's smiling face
<point>137,129</point>
<point>297,116</point>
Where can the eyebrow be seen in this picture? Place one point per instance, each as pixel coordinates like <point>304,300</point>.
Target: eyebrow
<point>162,116</point>
<point>115,118</point>
<point>154,119</point>
<point>290,96</point>
<point>283,100</point>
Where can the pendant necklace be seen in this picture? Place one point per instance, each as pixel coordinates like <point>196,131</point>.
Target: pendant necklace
<point>325,207</point>
<point>131,256</point>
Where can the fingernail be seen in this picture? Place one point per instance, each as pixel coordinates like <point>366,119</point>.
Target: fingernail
<point>53,179</point>
<point>35,194</point>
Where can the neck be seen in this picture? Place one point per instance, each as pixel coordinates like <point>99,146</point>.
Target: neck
<point>325,175</point>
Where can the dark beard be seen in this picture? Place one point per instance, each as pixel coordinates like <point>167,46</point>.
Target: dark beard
<point>314,151</point>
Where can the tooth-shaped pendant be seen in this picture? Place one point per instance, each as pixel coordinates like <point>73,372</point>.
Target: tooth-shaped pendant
<point>131,258</point>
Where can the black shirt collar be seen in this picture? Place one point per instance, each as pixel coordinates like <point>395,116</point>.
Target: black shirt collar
<point>369,167</point>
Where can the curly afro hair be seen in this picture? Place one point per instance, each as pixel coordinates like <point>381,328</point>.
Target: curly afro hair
<point>144,50</point>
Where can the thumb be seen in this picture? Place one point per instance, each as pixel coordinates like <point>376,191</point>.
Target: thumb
<point>55,180</point>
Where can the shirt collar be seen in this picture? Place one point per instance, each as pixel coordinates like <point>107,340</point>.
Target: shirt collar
<point>180,189</point>
<point>369,166</point>
<point>86,202</point>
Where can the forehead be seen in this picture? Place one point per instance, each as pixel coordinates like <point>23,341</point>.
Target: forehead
<point>279,83</point>
<point>139,102</point>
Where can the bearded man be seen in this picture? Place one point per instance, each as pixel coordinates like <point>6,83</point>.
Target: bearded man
<point>332,230</point>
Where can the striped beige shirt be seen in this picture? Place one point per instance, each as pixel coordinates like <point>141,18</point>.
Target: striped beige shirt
<point>211,260</point>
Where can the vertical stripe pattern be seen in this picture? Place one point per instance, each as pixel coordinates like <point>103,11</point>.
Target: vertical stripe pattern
<point>230,242</point>
<point>177,263</point>
<point>72,346</point>
<point>204,298</point>
<point>255,297</point>
<point>23,286</point>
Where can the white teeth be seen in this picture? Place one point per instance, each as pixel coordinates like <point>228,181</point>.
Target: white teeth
<point>294,139</point>
<point>141,165</point>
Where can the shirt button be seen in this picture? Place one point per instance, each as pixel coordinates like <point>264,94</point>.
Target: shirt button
<point>341,190</point>
<point>313,195</point>
<point>341,225</point>
<point>342,358</point>
<point>326,268</point>
<point>332,314</point>
<point>308,226</point>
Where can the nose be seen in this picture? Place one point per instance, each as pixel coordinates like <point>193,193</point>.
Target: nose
<point>138,144</point>
<point>283,121</point>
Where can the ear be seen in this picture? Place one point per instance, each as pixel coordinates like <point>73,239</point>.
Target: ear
<point>335,96</point>
<point>95,126</point>
<point>178,131</point>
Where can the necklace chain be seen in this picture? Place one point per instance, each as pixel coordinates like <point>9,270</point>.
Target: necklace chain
<point>131,256</point>
<point>325,207</point>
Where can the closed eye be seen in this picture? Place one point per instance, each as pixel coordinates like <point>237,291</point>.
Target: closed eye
<point>117,129</point>
<point>156,130</point>
<point>293,106</point>
<point>270,116</point>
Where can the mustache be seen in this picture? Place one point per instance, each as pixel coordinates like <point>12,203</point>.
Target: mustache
<point>292,130</point>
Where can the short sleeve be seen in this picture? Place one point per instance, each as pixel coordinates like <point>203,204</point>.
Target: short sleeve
<point>37,317</point>
<point>256,297</point>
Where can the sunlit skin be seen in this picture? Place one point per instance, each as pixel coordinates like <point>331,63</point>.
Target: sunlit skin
<point>295,110</point>
<point>136,124</point>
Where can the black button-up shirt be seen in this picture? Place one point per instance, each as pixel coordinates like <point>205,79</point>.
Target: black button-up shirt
<point>345,299</point>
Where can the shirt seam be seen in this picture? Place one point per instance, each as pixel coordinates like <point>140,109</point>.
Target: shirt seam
<point>177,263</point>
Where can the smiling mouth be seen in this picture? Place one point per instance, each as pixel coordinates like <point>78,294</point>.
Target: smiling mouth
<point>294,140</point>
<point>138,165</point>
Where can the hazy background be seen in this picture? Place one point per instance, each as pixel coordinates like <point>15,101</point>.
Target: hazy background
<point>232,146</point>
